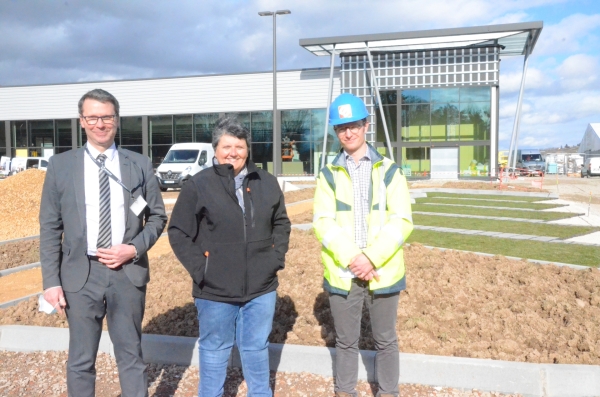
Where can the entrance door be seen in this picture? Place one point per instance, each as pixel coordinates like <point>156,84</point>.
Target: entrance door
<point>444,163</point>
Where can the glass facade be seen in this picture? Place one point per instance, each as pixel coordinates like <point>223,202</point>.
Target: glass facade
<point>2,139</point>
<point>462,114</point>
<point>63,136</point>
<point>436,117</point>
<point>204,124</point>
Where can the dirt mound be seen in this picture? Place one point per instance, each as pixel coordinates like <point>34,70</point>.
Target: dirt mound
<point>20,196</point>
<point>456,304</point>
<point>19,253</point>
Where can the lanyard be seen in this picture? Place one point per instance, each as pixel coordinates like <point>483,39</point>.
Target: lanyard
<point>107,171</point>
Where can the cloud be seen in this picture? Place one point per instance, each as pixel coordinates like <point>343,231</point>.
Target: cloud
<point>579,72</point>
<point>534,79</point>
<point>573,34</point>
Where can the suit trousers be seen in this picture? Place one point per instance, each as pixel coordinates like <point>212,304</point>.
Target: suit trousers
<point>347,313</point>
<point>107,293</point>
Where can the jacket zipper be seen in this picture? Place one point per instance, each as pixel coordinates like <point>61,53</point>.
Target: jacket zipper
<point>251,207</point>
<point>206,254</point>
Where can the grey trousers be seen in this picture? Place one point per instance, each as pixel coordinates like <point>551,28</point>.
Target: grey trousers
<point>347,314</point>
<point>106,293</point>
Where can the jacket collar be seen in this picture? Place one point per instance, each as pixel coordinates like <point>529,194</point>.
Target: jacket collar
<point>340,159</point>
<point>225,170</point>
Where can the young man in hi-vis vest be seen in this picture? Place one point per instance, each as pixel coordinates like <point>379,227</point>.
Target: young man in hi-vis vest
<point>362,217</point>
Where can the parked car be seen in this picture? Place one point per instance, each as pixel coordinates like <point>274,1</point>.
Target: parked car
<point>183,161</point>
<point>591,167</point>
<point>530,162</point>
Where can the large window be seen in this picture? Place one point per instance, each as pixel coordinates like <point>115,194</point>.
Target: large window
<point>18,131</point>
<point>183,128</point>
<point>204,124</point>
<point>2,139</point>
<point>160,131</point>
<point>446,114</point>
<point>261,128</point>
<point>131,133</point>
<point>474,161</point>
<point>63,140</point>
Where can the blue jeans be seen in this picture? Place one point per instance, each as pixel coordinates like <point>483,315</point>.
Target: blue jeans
<point>248,325</point>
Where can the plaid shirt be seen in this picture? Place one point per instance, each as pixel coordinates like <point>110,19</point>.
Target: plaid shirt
<point>360,174</point>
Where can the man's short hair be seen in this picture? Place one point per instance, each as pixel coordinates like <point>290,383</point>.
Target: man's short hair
<point>99,95</point>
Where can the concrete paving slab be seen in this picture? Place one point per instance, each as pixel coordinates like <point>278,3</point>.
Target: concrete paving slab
<point>488,192</point>
<point>471,232</point>
<point>523,237</point>
<point>544,238</point>
<point>463,373</point>
<point>303,226</point>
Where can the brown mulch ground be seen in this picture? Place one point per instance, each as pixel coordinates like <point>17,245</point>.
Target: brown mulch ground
<point>456,304</point>
<point>299,195</point>
<point>20,196</point>
<point>43,374</point>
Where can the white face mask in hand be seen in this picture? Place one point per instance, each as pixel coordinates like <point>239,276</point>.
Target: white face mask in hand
<point>44,306</point>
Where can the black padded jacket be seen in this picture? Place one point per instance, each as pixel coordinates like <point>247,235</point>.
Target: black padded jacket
<point>231,256</point>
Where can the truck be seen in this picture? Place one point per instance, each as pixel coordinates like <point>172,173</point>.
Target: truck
<point>183,161</point>
<point>591,166</point>
<point>530,162</point>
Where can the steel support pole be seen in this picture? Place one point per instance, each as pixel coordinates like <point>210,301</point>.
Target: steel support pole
<point>512,153</point>
<point>374,79</point>
<point>276,134</point>
<point>329,99</point>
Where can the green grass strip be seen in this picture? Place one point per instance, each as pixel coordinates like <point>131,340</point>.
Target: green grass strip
<point>499,204</point>
<point>488,197</point>
<point>553,252</point>
<point>504,226</point>
<point>505,213</point>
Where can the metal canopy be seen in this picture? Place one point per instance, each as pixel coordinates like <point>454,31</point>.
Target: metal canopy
<point>513,39</point>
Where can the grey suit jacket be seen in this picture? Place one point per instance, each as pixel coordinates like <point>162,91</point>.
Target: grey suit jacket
<point>63,230</point>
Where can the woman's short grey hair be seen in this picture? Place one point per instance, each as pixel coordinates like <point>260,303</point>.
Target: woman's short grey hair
<point>99,95</point>
<point>230,126</point>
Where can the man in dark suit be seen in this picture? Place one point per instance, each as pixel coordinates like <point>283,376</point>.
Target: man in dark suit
<point>101,211</point>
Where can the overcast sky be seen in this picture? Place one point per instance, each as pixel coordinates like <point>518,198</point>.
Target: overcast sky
<point>52,41</point>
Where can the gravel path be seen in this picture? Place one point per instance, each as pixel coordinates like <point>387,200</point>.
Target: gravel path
<point>43,374</point>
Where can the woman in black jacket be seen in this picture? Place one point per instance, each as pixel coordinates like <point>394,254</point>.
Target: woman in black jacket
<point>230,230</point>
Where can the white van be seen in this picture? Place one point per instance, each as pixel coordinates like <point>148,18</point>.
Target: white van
<point>591,167</point>
<point>17,164</point>
<point>183,161</point>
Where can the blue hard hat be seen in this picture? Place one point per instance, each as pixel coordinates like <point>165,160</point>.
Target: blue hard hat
<point>347,108</point>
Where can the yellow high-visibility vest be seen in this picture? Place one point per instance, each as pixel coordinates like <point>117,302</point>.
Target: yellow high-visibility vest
<point>389,223</point>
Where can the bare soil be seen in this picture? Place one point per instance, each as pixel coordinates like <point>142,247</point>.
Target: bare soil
<point>456,304</point>
<point>19,253</point>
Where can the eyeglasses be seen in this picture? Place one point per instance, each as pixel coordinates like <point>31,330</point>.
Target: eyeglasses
<point>93,120</point>
<point>354,128</point>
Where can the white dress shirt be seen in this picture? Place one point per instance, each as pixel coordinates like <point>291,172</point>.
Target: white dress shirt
<point>92,198</point>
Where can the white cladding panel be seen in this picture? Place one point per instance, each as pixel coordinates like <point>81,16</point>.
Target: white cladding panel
<point>297,89</point>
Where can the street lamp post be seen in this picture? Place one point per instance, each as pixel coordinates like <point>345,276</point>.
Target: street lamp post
<point>276,137</point>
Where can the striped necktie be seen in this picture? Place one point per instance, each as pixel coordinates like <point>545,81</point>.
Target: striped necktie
<point>104,230</point>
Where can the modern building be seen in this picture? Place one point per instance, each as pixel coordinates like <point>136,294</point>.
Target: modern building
<point>432,95</point>
<point>590,143</point>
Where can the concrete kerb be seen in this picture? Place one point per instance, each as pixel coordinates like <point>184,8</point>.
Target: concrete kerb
<point>16,240</point>
<point>456,372</point>
<point>6,272</point>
